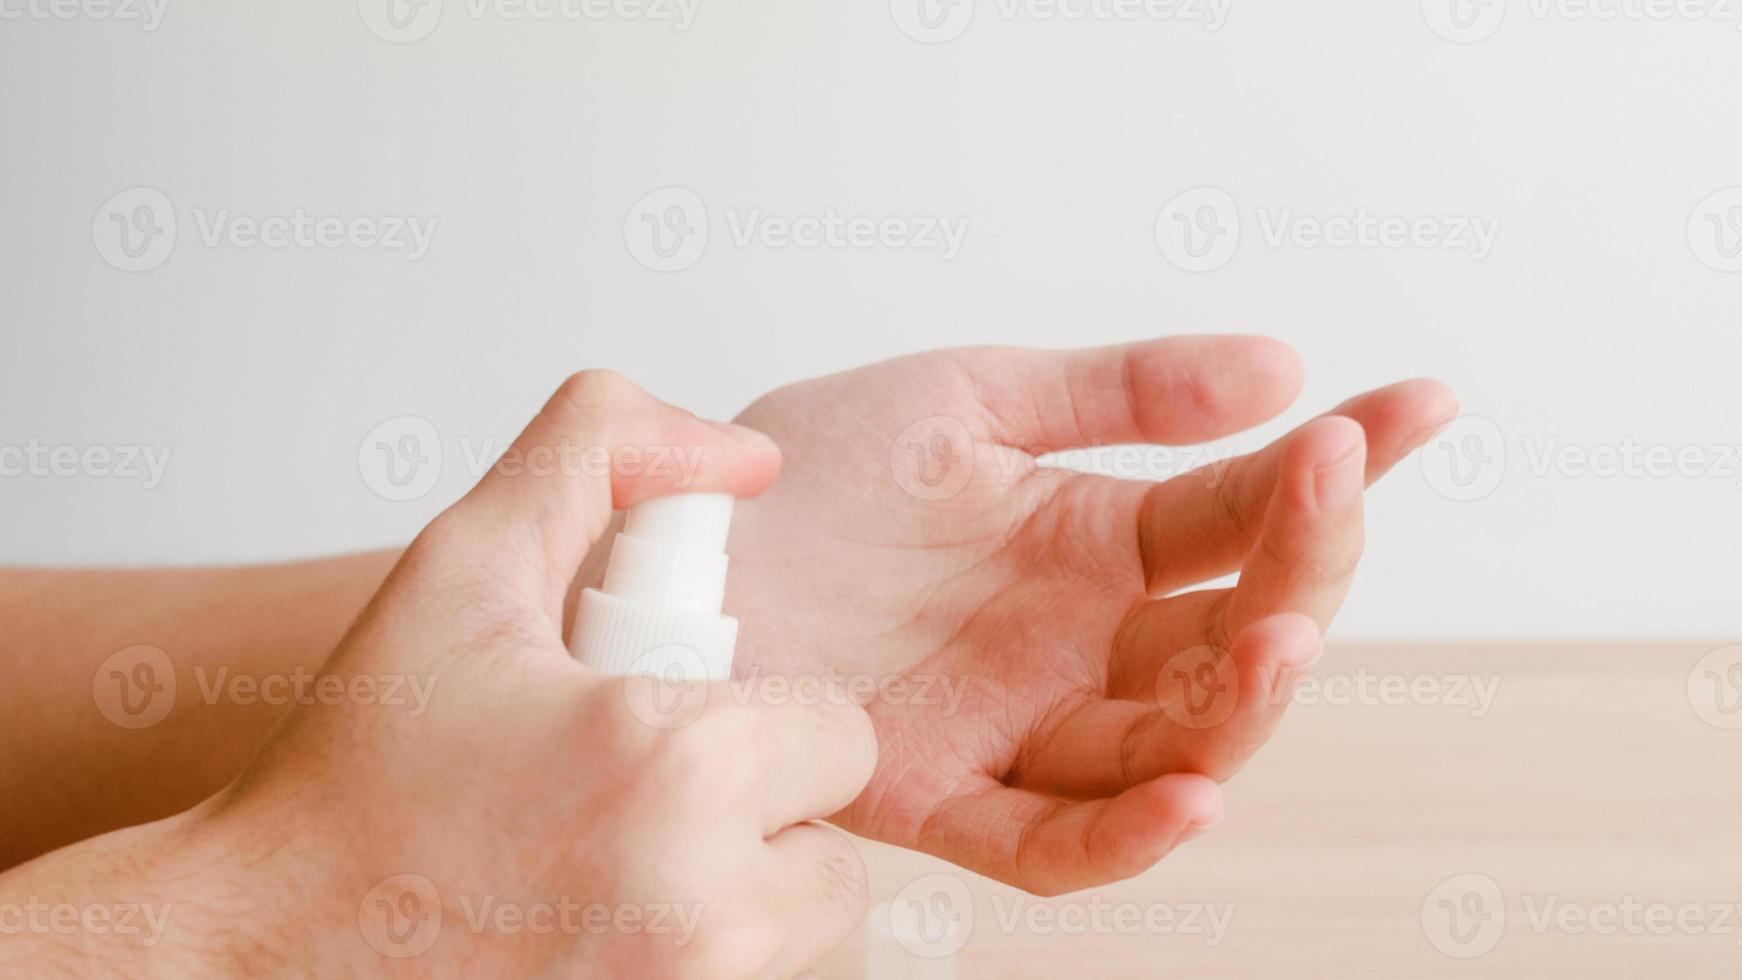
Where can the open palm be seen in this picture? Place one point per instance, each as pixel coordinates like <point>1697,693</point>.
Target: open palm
<point>1055,712</point>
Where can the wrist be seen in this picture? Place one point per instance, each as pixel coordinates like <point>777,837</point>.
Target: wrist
<point>143,901</point>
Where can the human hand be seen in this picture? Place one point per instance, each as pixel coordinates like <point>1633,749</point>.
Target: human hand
<point>1071,735</point>
<point>531,784</point>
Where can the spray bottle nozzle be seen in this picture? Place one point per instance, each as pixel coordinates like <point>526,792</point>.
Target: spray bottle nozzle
<point>664,588</point>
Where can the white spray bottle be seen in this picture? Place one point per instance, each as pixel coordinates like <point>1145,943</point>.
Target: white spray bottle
<point>659,609</point>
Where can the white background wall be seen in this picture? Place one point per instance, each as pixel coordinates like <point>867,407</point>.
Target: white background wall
<point>1593,322</point>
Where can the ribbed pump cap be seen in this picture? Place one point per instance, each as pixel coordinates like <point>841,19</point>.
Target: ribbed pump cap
<point>665,584</point>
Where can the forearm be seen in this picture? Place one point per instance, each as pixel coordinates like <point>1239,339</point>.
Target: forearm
<point>153,900</point>
<point>76,764</point>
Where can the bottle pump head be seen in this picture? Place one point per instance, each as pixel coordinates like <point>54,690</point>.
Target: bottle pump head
<point>659,610</point>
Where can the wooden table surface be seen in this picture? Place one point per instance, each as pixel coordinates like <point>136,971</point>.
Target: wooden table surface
<point>1585,819</point>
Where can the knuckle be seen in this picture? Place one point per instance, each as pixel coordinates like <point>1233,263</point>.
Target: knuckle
<point>1232,495</point>
<point>710,758</point>
<point>1219,632</point>
<point>844,884</point>
<point>594,390</point>
<point>441,537</point>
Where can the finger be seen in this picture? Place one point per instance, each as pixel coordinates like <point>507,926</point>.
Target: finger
<point>1048,846</point>
<point>819,892</point>
<point>1208,713</point>
<point>1200,525</point>
<point>600,442</point>
<point>1175,390</point>
<point>812,759</point>
<point>1303,561</point>
<point>1157,630</point>
<point>1311,540</point>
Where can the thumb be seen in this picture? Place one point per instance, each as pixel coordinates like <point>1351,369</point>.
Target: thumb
<point>599,443</point>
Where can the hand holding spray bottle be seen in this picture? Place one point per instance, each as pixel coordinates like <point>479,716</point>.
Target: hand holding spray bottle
<point>659,612</point>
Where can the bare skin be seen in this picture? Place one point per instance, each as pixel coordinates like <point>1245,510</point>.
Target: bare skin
<point>1051,601</point>
<point>365,836</point>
